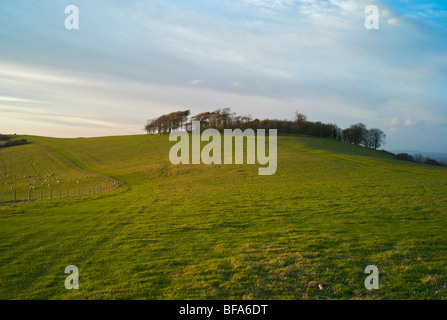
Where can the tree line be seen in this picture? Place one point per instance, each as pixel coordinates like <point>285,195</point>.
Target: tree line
<point>418,158</point>
<point>221,119</point>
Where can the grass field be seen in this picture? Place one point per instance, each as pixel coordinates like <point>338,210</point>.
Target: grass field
<point>35,172</point>
<point>222,231</point>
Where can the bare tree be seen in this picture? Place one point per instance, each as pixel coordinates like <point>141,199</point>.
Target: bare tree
<point>376,138</point>
<point>419,158</point>
<point>300,117</point>
<point>357,133</point>
<point>167,122</point>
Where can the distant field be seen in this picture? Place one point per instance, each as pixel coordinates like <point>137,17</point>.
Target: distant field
<point>35,172</point>
<point>220,231</point>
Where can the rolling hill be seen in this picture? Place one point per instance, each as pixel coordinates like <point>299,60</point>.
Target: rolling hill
<point>220,231</point>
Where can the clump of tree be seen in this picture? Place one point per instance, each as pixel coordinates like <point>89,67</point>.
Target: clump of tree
<point>167,123</point>
<point>4,137</point>
<point>427,160</point>
<point>221,119</point>
<point>432,162</point>
<point>359,134</point>
<point>12,143</point>
<point>418,158</point>
<point>404,157</point>
<point>319,129</point>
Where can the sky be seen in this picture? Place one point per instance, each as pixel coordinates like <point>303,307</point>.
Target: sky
<point>130,61</point>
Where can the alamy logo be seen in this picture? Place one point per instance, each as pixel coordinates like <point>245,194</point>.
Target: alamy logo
<point>72,20</point>
<point>372,281</point>
<point>212,152</point>
<point>372,20</point>
<point>72,281</point>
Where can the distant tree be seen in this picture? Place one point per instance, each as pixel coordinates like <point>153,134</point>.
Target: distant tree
<point>179,119</point>
<point>367,139</point>
<point>247,118</point>
<point>226,117</point>
<point>432,162</point>
<point>167,122</point>
<point>336,132</point>
<point>404,156</point>
<point>419,158</point>
<point>204,119</point>
<point>4,138</point>
<point>358,133</point>
<point>300,117</point>
<point>346,135</point>
<point>150,126</point>
<point>302,125</point>
<point>223,118</point>
<point>12,143</point>
<point>375,138</point>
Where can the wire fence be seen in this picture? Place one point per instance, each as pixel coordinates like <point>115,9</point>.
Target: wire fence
<point>53,194</point>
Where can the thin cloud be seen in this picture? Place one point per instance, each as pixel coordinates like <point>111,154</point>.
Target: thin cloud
<point>16,99</point>
<point>393,124</point>
<point>410,123</point>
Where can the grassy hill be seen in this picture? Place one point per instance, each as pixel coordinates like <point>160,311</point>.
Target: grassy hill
<point>221,231</point>
<point>35,172</point>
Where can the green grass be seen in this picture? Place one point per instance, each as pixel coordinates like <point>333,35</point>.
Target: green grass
<point>36,172</point>
<point>223,231</point>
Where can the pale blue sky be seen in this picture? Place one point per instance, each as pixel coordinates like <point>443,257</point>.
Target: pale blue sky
<point>133,60</point>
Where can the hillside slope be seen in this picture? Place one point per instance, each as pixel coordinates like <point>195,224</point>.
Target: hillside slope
<point>223,231</point>
<point>35,172</point>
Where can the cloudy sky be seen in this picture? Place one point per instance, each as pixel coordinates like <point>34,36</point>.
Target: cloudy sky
<point>134,60</point>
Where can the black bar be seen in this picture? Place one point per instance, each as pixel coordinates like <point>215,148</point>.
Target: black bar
<point>232,309</point>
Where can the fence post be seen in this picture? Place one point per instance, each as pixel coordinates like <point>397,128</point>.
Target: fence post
<point>15,196</point>
<point>29,195</point>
